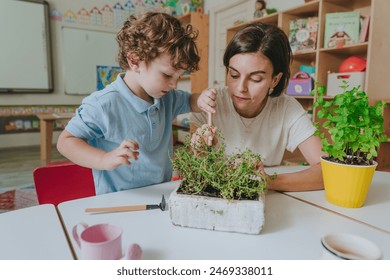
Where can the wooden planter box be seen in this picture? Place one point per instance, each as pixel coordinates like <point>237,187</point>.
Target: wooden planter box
<point>243,216</point>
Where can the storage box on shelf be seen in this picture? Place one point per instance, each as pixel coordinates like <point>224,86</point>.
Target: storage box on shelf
<point>328,60</point>
<point>335,81</point>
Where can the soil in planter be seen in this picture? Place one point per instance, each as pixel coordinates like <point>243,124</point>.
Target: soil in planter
<point>210,191</point>
<point>351,161</point>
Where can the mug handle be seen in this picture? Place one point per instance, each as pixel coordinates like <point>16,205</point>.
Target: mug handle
<point>134,252</point>
<point>75,234</point>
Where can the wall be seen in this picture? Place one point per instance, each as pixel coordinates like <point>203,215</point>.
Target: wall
<point>281,5</point>
<point>277,4</point>
<point>58,97</point>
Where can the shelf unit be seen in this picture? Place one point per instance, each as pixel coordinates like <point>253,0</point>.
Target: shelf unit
<point>200,21</point>
<point>23,119</point>
<point>199,79</point>
<point>180,131</point>
<point>325,60</point>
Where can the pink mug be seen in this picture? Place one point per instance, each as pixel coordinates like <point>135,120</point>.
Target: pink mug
<point>103,242</point>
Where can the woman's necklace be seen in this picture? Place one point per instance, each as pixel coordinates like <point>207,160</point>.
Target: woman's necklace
<point>247,122</point>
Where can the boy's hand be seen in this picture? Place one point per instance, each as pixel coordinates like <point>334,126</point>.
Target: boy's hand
<point>121,155</point>
<point>206,101</point>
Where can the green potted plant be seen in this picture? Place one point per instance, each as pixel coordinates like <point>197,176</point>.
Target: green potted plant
<point>218,192</point>
<point>353,133</point>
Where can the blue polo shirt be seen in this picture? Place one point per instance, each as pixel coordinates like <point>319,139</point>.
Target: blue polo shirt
<point>109,116</point>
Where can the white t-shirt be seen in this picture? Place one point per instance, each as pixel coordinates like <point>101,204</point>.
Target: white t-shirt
<point>282,125</point>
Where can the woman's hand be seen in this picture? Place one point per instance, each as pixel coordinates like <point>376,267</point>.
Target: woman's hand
<point>268,178</point>
<point>120,156</point>
<point>200,139</point>
<point>206,101</point>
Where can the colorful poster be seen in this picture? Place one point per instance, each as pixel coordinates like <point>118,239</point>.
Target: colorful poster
<point>106,75</point>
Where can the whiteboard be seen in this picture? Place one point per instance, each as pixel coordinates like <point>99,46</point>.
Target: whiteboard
<point>83,51</point>
<point>25,53</point>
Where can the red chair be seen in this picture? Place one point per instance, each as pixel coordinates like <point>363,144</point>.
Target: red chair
<point>62,181</point>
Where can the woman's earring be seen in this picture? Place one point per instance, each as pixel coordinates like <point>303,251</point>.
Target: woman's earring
<point>270,91</point>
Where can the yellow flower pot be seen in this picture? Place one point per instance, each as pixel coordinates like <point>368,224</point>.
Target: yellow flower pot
<point>346,185</point>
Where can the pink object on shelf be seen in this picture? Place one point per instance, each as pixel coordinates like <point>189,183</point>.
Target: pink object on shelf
<point>300,84</point>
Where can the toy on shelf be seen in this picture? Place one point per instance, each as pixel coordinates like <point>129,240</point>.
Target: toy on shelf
<point>300,84</point>
<point>260,9</point>
<point>353,64</point>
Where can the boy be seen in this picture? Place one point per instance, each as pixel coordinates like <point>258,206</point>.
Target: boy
<point>124,132</point>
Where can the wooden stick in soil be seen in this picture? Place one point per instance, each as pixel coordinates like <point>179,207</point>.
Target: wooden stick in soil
<point>209,123</point>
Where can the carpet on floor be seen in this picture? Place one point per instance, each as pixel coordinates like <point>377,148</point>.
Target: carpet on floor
<point>18,199</point>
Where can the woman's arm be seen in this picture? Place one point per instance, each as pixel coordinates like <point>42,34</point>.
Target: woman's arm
<point>305,180</point>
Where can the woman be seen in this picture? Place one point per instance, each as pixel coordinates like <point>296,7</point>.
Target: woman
<point>252,111</point>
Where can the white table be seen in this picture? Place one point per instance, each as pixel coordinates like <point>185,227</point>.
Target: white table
<point>374,212</point>
<point>292,228</point>
<point>33,233</point>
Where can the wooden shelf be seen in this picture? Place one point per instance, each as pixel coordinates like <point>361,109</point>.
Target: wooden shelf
<point>384,168</point>
<point>200,21</point>
<point>348,50</point>
<point>309,97</point>
<point>177,124</point>
<point>199,79</point>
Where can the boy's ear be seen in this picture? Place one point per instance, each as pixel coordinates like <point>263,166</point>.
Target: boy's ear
<point>133,61</point>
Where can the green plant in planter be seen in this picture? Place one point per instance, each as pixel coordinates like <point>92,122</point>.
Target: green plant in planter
<point>355,127</point>
<point>209,172</point>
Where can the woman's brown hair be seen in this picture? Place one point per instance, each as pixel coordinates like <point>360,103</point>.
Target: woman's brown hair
<point>269,40</point>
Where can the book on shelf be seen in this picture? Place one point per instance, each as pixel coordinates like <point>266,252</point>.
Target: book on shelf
<point>363,35</point>
<point>341,29</point>
<point>303,34</point>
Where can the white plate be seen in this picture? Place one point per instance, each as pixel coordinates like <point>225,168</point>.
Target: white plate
<point>351,247</point>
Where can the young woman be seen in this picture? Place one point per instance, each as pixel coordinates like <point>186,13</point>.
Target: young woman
<point>253,112</point>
